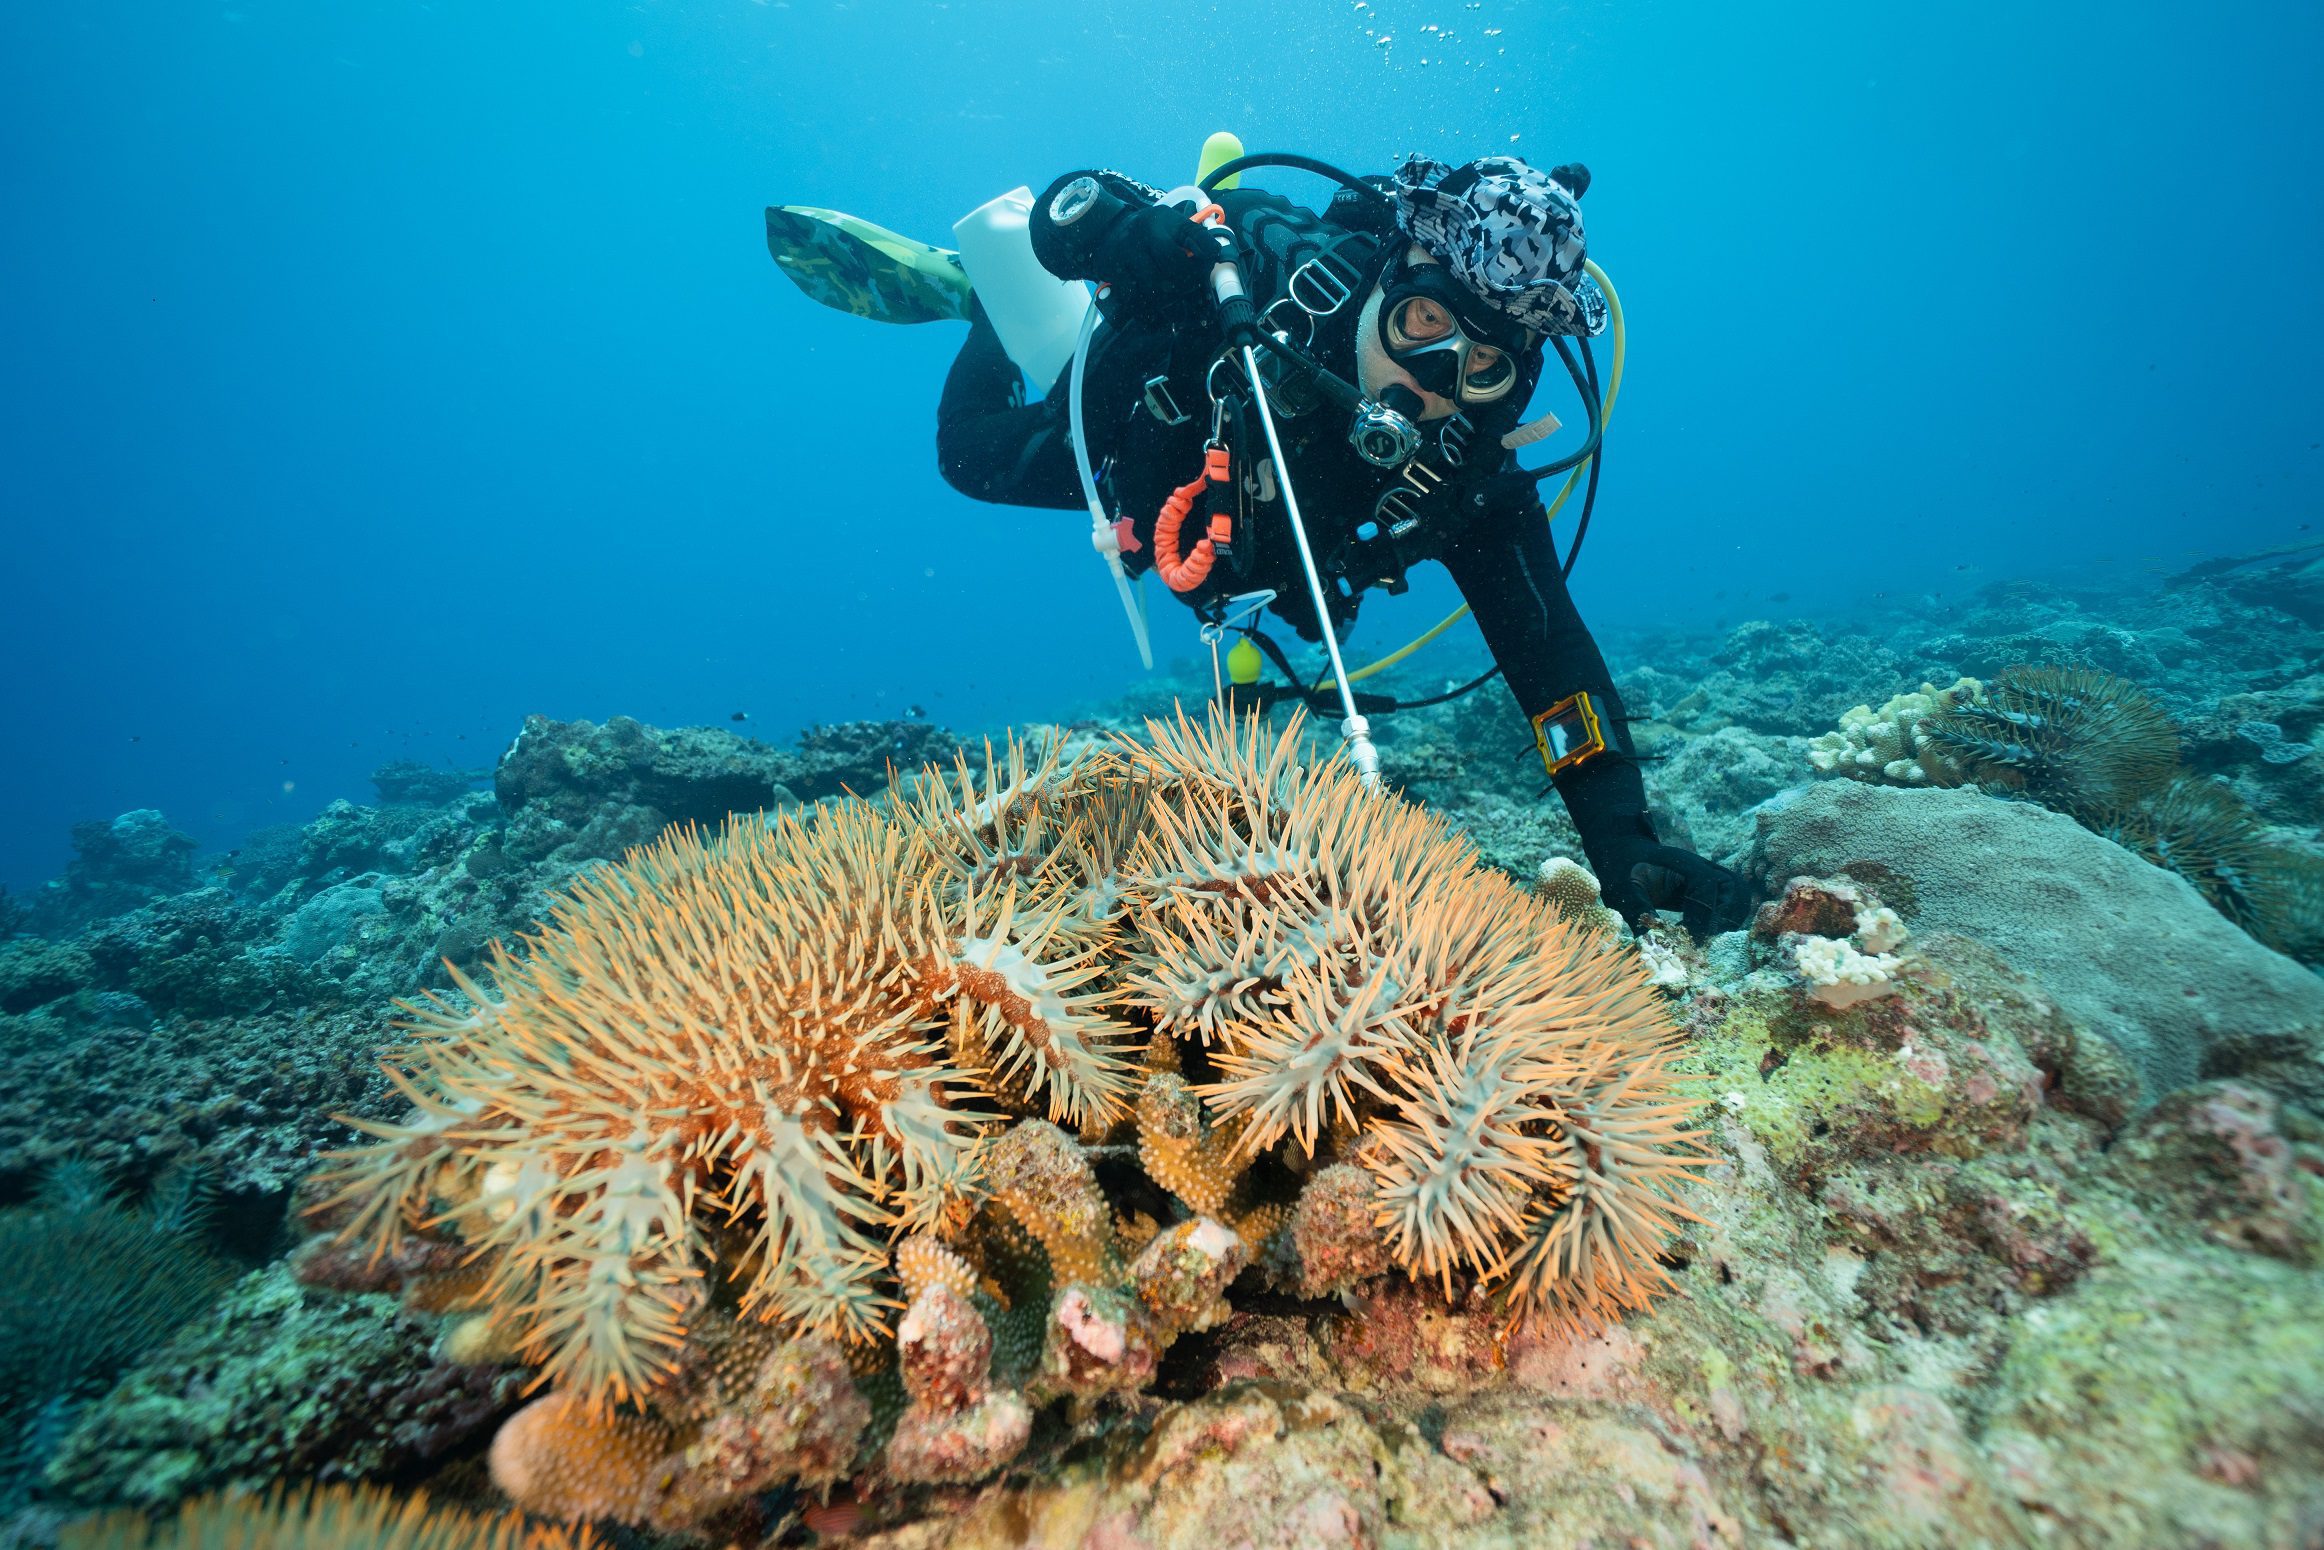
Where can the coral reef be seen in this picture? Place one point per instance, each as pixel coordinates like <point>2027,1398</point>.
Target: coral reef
<point>2099,749</point>
<point>1951,1283</point>
<point>772,1053</point>
<point>247,1100</point>
<point>957,1424</point>
<point>118,864</point>
<point>1927,1306</point>
<point>409,782</point>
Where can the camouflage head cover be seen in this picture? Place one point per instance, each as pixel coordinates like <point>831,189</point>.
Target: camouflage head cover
<point>1510,233</point>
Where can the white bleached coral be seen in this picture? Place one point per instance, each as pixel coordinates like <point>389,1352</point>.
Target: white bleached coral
<point>1839,940</point>
<point>1837,974</point>
<point>1884,746</point>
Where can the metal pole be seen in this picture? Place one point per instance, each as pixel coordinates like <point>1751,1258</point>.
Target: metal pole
<point>1355,729</point>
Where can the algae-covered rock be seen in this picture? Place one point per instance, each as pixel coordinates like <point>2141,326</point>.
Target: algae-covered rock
<point>2176,1399</point>
<point>281,1382</point>
<point>1256,1465</point>
<point>2217,1153</point>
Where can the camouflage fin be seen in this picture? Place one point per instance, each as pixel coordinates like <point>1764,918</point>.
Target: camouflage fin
<point>854,266</point>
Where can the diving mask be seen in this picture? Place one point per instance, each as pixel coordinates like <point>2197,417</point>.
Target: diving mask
<point>1435,330</point>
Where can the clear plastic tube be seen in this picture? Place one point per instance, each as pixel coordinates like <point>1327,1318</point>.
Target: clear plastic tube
<point>1102,537</point>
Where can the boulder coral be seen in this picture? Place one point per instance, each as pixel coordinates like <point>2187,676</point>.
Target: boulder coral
<point>2128,949</point>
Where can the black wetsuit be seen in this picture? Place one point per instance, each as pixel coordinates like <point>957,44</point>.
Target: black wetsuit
<point>994,446</point>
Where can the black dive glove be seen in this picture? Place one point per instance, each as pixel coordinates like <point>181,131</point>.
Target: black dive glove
<point>1709,898</point>
<point>1154,255</point>
<point>1636,871</point>
<point>1161,254</point>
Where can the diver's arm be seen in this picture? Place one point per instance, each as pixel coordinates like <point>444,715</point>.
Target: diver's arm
<point>993,446</point>
<point>1507,569</point>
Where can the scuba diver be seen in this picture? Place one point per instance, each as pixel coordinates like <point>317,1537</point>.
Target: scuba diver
<point>1275,409</point>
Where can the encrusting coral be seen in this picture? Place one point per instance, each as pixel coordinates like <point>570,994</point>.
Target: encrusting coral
<point>822,1056</point>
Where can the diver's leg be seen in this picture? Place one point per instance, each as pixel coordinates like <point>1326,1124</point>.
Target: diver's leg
<point>991,444</point>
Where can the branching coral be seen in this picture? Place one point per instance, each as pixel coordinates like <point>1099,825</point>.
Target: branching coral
<point>959,1424</point>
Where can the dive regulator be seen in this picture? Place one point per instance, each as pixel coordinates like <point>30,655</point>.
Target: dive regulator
<point>1385,432</point>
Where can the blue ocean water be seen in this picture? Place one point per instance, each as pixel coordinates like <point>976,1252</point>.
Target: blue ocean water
<point>377,373</point>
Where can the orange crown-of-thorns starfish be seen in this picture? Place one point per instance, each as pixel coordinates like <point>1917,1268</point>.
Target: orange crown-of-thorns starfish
<point>1358,976</point>
<point>730,1051</point>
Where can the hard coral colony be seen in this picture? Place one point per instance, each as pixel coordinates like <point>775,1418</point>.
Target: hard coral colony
<point>826,1057</point>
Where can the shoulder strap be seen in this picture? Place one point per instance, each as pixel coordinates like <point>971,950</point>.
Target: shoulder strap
<point>1281,239</point>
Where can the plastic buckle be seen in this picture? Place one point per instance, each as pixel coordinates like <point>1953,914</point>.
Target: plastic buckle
<point>1160,404</point>
<point>1569,733</point>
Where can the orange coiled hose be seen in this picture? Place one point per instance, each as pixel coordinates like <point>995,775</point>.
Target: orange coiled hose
<point>1185,572</point>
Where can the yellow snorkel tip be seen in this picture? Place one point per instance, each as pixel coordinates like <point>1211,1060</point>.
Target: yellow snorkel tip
<point>1217,151</point>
